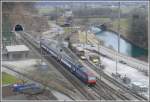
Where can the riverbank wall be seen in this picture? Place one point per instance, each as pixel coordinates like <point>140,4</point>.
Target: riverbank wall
<point>126,39</point>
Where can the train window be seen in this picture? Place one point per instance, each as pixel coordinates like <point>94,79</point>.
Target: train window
<point>92,78</point>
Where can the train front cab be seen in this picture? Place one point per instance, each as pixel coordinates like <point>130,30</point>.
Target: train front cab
<point>91,80</point>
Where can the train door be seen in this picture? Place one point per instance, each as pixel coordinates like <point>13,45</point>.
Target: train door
<point>73,69</point>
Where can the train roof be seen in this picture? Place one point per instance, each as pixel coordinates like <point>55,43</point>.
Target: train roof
<point>53,44</point>
<point>85,70</point>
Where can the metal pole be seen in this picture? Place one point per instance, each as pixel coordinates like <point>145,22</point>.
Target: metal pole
<point>118,38</point>
<point>99,70</point>
<point>99,57</point>
<point>86,35</point>
<point>85,40</point>
<point>56,14</point>
<point>41,49</point>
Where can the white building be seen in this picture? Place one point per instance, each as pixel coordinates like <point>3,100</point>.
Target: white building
<point>68,13</point>
<point>17,51</point>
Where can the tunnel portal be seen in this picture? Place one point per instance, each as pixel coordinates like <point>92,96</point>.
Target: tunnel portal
<point>18,27</point>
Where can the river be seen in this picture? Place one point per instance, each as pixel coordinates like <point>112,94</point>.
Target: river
<point>111,40</point>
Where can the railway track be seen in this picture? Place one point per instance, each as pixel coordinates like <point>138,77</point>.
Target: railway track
<point>115,94</point>
<point>103,90</point>
<point>124,88</point>
<point>110,93</point>
<point>33,80</point>
<point>119,85</point>
<point>103,87</point>
<point>82,88</point>
<point>76,82</point>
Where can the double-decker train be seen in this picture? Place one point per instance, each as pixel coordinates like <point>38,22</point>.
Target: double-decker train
<point>76,68</point>
<point>58,52</point>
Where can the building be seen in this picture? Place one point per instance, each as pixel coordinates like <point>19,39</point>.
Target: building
<point>17,51</point>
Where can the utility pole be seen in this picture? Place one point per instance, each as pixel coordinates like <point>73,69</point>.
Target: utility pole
<point>99,70</point>
<point>86,28</point>
<point>118,37</point>
<point>41,49</point>
<point>56,14</point>
<point>99,58</point>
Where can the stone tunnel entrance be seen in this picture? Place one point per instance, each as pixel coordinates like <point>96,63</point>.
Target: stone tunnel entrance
<point>18,27</point>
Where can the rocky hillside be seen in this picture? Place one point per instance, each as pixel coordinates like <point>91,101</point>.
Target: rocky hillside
<point>24,14</point>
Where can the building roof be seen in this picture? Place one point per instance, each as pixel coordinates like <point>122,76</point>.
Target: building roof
<point>17,48</point>
<point>80,48</point>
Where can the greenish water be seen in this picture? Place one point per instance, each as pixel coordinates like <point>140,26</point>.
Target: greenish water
<point>111,40</point>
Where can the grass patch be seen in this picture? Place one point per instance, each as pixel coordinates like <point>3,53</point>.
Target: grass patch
<point>123,23</point>
<point>104,19</point>
<point>45,10</point>
<point>82,37</point>
<point>123,26</point>
<point>67,29</point>
<point>8,79</point>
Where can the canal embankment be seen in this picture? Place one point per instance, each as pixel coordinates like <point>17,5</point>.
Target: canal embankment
<point>110,39</point>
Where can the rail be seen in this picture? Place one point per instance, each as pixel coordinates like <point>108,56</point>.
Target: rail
<point>74,81</point>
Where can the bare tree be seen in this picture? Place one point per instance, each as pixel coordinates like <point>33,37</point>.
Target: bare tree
<point>138,27</point>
